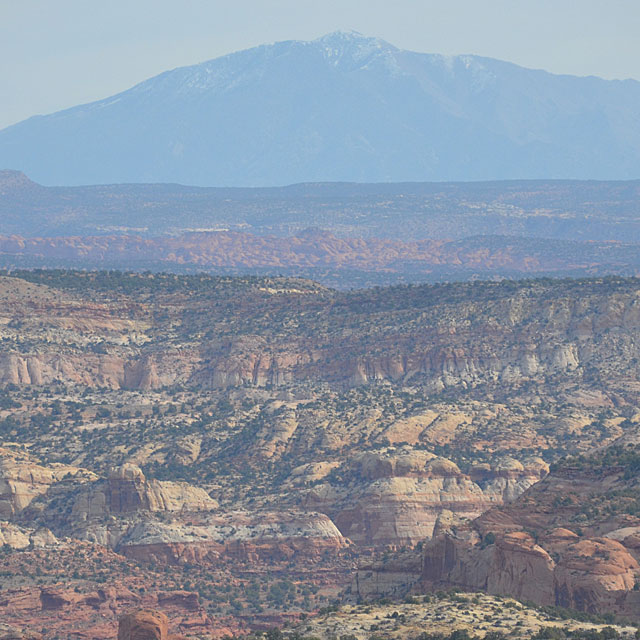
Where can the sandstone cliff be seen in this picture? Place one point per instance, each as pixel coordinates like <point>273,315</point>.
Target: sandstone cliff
<point>443,335</point>
<point>145,624</point>
<point>571,540</point>
<point>22,538</point>
<point>260,537</point>
<point>394,497</point>
<point>21,480</point>
<point>168,522</point>
<point>127,491</point>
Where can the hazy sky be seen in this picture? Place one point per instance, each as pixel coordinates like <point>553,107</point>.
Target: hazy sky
<point>58,53</point>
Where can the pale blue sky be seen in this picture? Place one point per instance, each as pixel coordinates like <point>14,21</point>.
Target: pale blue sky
<point>58,53</point>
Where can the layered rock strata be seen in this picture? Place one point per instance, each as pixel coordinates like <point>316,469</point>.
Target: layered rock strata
<point>503,335</point>
<point>22,479</point>
<point>394,497</point>
<point>571,540</point>
<point>556,544</point>
<point>248,537</point>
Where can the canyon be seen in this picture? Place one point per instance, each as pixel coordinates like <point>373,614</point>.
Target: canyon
<point>396,397</point>
<point>442,335</point>
<point>238,452</point>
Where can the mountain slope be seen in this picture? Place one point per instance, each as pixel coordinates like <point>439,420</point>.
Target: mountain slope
<point>343,107</point>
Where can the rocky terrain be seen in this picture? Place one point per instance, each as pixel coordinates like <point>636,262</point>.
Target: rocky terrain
<point>393,497</point>
<point>466,614</point>
<point>340,261</point>
<point>78,589</point>
<point>241,452</point>
<point>145,624</point>
<point>445,613</point>
<point>571,540</point>
<point>223,332</point>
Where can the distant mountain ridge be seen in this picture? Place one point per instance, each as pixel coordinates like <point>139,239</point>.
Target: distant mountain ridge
<point>552,209</point>
<point>340,234</point>
<point>340,108</point>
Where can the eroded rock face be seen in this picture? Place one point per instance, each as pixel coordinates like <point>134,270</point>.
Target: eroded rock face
<point>589,563</point>
<point>181,599</point>
<point>553,545</point>
<point>171,522</point>
<point>373,580</point>
<point>450,344</point>
<point>168,522</point>
<point>251,537</point>
<point>146,624</point>
<point>21,537</point>
<point>54,599</point>
<point>127,491</point>
<point>22,479</point>
<point>591,571</point>
<point>585,574</point>
<point>394,497</point>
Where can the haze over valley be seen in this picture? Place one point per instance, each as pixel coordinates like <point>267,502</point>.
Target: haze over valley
<point>341,234</point>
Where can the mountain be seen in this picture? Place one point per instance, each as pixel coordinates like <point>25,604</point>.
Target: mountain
<point>343,107</point>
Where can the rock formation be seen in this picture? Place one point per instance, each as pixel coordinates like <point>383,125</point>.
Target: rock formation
<point>126,512</point>
<point>393,497</point>
<point>145,624</point>
<point>571,540</point>
<point>247,537</point>
<point>127,491</point>
<point>555,544</point>
<point>22,479</point>
<point>22,538</point>
<point>313,251</point>
<point>299,430</point>
<point>125,344</point>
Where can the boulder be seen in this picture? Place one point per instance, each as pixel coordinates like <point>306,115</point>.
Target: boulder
<point>145,624</point>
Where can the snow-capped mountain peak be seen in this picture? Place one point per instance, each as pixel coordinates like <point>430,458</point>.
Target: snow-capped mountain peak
<point>342,107</point>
